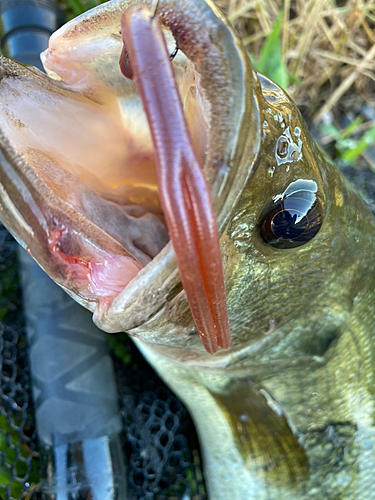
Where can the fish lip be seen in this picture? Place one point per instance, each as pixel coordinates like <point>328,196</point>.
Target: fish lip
<point>147,295</point>
<point>228,360</point>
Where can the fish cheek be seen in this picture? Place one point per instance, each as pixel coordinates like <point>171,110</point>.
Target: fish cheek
<point>263,283</point>
<point>247,279</point>
<point>270,288</point>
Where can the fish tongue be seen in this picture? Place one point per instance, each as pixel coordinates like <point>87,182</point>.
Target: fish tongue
<point>184,193</point>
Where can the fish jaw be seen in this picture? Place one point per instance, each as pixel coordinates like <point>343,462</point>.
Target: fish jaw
<point>81,257</point>
<point>223,176</point>
<point>224,74</point>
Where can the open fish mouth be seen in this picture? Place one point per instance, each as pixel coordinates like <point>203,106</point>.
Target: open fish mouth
<point>93,195</point>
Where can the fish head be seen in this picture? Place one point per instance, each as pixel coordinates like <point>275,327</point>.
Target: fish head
<point>84,200</point>
<point>299,247</point>
<point>297,251</point>
<point>80,190</point>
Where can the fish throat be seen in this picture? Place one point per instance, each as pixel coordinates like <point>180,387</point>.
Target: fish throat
<point>124,209</point>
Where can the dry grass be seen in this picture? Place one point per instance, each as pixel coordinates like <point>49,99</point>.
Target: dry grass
<point>328,47</point>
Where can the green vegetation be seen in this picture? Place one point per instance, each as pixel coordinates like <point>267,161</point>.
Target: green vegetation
<point>119,344</point>
<point>15,463</point>
<point>74,8</point>
<point>8,289</point>
<point>270,61</point>
<point>351,142</point>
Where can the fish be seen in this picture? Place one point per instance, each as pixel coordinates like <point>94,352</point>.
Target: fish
<point>283,400</point>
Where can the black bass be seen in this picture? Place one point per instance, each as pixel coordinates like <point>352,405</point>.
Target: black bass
<point>287,411</point>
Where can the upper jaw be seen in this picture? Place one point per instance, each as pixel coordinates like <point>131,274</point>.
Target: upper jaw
<point>83,58</point>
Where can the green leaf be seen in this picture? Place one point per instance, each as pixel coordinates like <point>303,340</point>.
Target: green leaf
<point>351,154</point>
<point>90,4</point>
<point>76,7</point>
<point>351,128</point>
<point>6,479</point>
<point>270,62</point>
<point>5,475</point>
<point>16,489</point>
<point>332,131</point>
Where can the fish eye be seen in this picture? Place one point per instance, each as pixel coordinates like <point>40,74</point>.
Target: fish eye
<point>293,218</point>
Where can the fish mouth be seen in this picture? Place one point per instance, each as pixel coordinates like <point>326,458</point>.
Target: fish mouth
<point>85,144</point>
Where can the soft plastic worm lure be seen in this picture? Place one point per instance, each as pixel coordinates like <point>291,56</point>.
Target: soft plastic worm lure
<point>184,193</point>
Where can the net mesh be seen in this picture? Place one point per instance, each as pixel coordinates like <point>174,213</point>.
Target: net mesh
<point>159,439</point>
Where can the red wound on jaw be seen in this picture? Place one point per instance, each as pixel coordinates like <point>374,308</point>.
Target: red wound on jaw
<point>100,276</point>
<point>184,193</point>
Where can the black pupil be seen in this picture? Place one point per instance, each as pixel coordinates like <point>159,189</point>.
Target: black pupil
<point>295,220</point>
<point>289,223</point>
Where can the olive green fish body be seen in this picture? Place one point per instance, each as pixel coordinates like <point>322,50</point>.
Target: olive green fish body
<point>288,413</point>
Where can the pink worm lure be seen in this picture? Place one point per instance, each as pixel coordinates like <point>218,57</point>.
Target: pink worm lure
<point>184,193</point>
